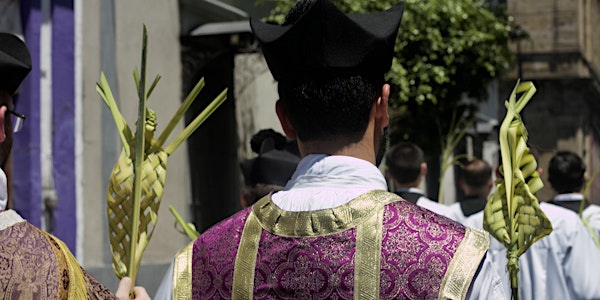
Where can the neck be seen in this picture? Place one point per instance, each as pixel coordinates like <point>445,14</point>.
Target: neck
<point>339,146</point>
<point>414,185</point>
<point>476,192</point>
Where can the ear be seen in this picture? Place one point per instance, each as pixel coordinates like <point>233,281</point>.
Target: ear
<point>381,106</point>
<point>388,174</point>
<point>284,120</point>
<point>462,185</point>
<point>2,127</point>
<point>243,201</point>
<point>423,169</point>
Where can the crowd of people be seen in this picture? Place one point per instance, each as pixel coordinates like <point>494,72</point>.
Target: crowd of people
<point>320,220</point>
<point>559,266</point>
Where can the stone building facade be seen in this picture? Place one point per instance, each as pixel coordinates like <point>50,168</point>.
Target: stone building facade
<point>558,50</point>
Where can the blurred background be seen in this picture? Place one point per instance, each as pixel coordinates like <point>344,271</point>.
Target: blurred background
<point>457,63</point>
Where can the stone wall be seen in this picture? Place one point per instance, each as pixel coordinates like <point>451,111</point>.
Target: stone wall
<point>562,115</point>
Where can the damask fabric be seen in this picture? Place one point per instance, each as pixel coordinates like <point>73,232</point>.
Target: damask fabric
<point>330,183</point>
<point>417,249</point>
<point>36,265</point>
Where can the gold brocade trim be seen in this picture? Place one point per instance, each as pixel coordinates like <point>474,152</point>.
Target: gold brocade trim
<point>182,273</point>
<point>76,280</point>
<point>321,222</point>
<point>245,260</point>
<point>367,258</point>
<point>464,264</point>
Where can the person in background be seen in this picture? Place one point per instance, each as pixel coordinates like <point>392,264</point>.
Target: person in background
<point>334,231</point>
<point>33,263</point>
<point>476,183</point>
<point>566,174</point>
<point>406,170</point>
<point>562,265</point>
<point>276,162</point>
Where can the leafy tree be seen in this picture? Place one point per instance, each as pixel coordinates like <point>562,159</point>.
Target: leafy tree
<point>444,50</point>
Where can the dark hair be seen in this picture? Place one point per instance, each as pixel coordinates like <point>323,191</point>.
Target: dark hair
<point>404,162</point>
<point>322,107</point>
<point>566,172</point>
<point>477,173</point>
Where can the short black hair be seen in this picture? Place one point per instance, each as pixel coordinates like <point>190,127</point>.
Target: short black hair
<point>404,162</point>
<point>329,106</point>
<point>566,172</point>
<point>476,173</point>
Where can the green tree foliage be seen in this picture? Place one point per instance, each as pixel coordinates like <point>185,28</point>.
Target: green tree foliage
<point>445,49</point>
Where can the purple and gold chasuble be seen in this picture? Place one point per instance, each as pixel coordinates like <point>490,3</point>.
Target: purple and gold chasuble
<point>377,246</point>
<point>37,265</point>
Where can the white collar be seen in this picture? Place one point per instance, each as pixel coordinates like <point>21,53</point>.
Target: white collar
<point>337,172</point>
<point>9,218</point>
<point>568,197</point>
<point>411,190</point>
<point>323,181</point>
<point>3,191</point>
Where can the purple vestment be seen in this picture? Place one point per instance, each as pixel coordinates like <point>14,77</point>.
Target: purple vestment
<point>417,247</point>
<point>33,266</point>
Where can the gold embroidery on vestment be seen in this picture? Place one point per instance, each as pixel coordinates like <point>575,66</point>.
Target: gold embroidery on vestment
<point>364,212</point>
<point>182,273</point>
<point>464,264</point>
<point>320,222</point>
<point>367,265</point>
<point>76,285</point>
<point>245,260</point>
<point>61,266</point>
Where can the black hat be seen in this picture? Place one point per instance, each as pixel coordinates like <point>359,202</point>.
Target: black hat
<point>326,39</point>
<point>15,62</point>
<point>275,163</point>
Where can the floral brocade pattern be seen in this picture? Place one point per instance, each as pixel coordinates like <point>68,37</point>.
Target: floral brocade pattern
<point>417,247</point>
<point>28,265</point>
<point>32,266</point>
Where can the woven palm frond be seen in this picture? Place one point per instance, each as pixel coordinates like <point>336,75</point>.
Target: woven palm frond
<point>137,182</point>
<point>120,204</point>
<point>513,214</point>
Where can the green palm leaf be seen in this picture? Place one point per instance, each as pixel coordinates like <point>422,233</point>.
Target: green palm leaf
<point>137,182</point>
<point>513,214</point>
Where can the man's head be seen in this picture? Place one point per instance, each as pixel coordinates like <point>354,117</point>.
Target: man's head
<point>566,172</point>
<point>476,179</point>
<point>406,164</point>
<point>330,68</point>
<point>15,64</point>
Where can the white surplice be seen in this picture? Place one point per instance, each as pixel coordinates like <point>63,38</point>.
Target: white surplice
<point>563,265</point>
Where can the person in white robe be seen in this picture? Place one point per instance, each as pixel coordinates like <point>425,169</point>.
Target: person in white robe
<point>562,265</point>
<point>476,182</point>
<point>567,175</point>
<point>406,170</point>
